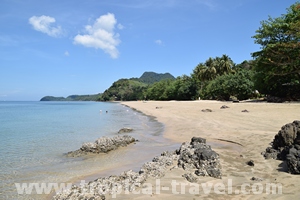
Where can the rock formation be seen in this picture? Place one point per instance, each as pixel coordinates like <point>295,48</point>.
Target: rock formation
<point>286,147</point>
<point>196,158</point>
<point>102,145</point>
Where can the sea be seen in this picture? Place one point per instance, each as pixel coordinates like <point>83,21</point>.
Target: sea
<point>35,137</point>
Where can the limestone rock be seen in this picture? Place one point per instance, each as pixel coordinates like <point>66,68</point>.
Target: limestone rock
<point>102,145</point>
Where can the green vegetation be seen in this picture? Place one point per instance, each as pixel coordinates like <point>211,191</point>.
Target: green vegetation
<point>94,97</point>
<point>152,77</point>
<point>278,63</point>
<point>239,85</point>
<point>134,88</point>
<point>124,90</point>
<point>274,71</point>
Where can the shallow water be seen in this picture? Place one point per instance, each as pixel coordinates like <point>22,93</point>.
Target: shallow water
<point>35,136</point>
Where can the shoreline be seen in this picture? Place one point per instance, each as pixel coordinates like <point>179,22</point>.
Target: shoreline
<point>155,145</point>
<point>237,137</point>
<point>244,136</point>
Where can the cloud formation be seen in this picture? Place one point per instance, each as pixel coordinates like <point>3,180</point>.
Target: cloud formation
<point>101,35</point>
<point>44,25</point>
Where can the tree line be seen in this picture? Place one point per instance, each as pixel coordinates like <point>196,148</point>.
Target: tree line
<point>273,71</point>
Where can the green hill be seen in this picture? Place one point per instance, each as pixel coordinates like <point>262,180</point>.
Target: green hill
<point>121,90</point>
<point>133,88</point>
<point>152,77</point>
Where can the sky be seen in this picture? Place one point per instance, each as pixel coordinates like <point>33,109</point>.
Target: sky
<point>66,47</point>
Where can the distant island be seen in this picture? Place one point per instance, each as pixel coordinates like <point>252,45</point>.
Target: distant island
<point>93,97</point>
<point>121,90</point>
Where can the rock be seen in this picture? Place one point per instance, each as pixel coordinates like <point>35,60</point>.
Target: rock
<point>250,163</point>
<point>288,135</point>
<point>126,181</point>
<point>224,107</point>
<point>198,140</point>
<point>196,157</point>
<point>125,130</point>
<point>190,177</point>
<point>199,158</point>
<point>102,145</point>
<point>286,145</point>
<point>245,111</point>
<point>206,110</point>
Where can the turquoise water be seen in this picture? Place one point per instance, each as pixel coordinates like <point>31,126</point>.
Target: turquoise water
<point>35,135</point>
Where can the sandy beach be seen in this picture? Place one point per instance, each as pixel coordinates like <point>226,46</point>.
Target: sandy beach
<point>236,136</point>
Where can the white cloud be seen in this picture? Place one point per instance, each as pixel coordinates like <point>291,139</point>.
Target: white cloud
<point>101,35</point>
<point>67,53</point>
<point>44,25</point>
<point>159,42</point>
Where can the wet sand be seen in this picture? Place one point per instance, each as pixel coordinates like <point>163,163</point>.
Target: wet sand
<point>236,136</point>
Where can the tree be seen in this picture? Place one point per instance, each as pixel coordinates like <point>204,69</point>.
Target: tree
<point>224,64</point>
<point>239,85</point>
<point>278,63</point>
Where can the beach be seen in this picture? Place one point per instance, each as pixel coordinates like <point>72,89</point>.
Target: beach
<point>236,136</point>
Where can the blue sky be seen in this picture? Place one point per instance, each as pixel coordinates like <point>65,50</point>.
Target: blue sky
<point>65,47</point>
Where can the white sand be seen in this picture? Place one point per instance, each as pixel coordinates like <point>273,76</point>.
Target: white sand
<point>254,130</point>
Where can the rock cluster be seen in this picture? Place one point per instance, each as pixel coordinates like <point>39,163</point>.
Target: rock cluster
<point>102,145</point>
<point>286,147</point>
<point>198,157</point>
<point>126,181</point>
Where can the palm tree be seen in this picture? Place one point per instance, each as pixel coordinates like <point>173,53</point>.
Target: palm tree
<point>211,70</point>
<point>198,71</point>
<point>225,65</point>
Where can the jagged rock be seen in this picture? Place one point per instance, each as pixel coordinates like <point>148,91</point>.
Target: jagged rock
<point>198,140</point>
<point>288,135</point>
<point>271,153</point>
<point>125,130</point>
<point>126,181</point>
<point>286,146</point>
<point>245,111</point>
<point>102,145</point>
<point>195,156</point>
<point>200,157</point>
<point>159,164</point>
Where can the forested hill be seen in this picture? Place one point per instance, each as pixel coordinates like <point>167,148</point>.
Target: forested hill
<point>152,77</point>
<point>133,88</point>
<point>122,89</point>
